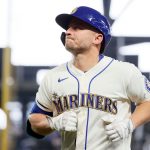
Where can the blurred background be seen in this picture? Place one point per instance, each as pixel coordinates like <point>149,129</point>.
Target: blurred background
<point>30,44</point>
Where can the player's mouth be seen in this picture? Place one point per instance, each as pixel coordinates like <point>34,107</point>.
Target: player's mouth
<point>69,38</point>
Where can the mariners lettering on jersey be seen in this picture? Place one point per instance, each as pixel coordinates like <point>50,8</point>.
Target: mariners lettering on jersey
<point>63,103</point>
<point>147,84</point>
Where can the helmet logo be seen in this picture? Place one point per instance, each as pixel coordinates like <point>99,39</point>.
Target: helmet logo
<point>74,10</point>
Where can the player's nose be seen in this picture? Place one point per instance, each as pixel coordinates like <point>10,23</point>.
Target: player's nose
<point>69,31</point>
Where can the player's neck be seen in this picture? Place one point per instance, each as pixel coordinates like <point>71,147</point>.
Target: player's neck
<point>85,62</point>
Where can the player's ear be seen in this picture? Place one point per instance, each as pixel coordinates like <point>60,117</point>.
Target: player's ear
<point>98,38</point>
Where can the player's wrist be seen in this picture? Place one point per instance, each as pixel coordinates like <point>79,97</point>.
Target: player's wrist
<point>55,123</point>
<point>128,125</point>
<point>50,122</point>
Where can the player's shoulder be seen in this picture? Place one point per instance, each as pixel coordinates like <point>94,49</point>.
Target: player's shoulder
<point>53,73</point>
<point>123,66</point>
<point>57,69</point>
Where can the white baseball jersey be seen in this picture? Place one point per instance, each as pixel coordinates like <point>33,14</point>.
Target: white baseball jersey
<point>103,94</point>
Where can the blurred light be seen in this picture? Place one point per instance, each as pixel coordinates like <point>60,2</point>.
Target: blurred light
<point>10,81</point>
<point>142,50</point>
<point>40,74</point>
<point>4,25</point>
<point>35,36</point>
<point>16,115</point>
<point>133,21</point>
<point>15,112</point>
<point>117,7</point>
<point>3,120</point>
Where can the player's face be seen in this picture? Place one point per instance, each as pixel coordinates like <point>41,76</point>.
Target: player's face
<point>80,37</point>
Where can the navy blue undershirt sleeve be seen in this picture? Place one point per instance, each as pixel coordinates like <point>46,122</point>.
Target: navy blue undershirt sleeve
<point>37,109</point>
<point>31,132</point>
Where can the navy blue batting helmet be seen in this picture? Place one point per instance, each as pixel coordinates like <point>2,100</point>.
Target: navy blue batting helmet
<point>91,17</point>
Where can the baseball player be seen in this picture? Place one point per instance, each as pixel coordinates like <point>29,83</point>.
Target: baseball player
<point>88,98</point>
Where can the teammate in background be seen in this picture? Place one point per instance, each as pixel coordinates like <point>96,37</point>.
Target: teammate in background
<point>88,99</point>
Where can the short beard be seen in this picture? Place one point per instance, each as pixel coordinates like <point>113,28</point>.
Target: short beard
<point>75,51</point>
<point>71,50</point>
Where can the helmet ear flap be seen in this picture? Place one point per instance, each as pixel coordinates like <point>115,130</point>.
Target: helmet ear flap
<point>62,37</point>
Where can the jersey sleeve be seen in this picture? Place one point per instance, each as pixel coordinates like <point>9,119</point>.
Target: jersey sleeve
<point>138,88</point>
<point>43,99</point>
<point>42,105</point>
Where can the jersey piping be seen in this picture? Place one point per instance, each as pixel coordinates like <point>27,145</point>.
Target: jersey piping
<point>77,82</point>
<point>88,108</point>
<point>88,111</point>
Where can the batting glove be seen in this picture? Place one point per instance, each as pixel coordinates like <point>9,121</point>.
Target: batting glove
<point>66,121</point>
<point>119,130</point>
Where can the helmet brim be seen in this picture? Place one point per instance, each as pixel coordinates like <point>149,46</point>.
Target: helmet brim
<point>63,20</point>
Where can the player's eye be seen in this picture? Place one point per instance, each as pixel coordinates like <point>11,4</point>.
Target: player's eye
<point>76,27</point>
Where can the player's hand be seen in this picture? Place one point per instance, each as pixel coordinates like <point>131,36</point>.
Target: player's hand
<point>119,130</point>
<point>66,121</point>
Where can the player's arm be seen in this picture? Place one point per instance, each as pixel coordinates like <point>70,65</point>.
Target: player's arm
<point>40,123</point>
<point>141,115</point>
<point>122,129</point>
<point>37,123</point>
<point>140,94</point>
<point>138,91</point>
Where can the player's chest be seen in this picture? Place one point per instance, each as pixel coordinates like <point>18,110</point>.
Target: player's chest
<point>101,85</point>
<point>71,93</point>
